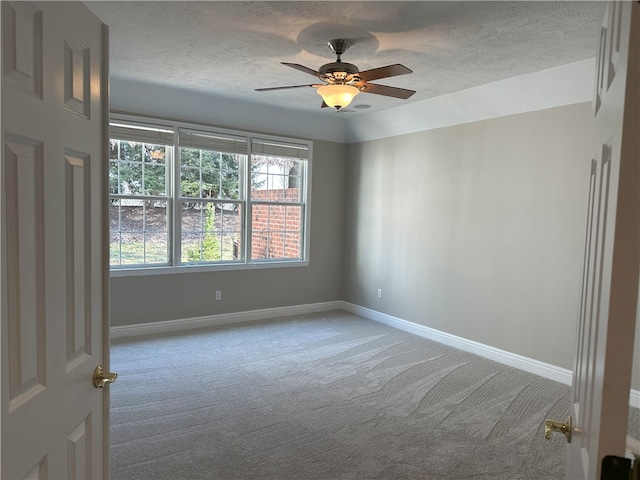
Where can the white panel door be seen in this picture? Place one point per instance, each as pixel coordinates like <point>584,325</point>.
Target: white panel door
<point>602,372</point>
<point>54,262</point>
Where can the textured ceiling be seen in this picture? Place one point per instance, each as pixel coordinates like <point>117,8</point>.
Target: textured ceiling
<point>230,48</point>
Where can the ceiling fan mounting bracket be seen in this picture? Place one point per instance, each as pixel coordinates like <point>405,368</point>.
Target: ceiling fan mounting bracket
<point>339,46</point>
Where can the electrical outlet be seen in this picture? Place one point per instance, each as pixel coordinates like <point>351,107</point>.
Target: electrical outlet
<point>379,293</point>
<point>218,294</point>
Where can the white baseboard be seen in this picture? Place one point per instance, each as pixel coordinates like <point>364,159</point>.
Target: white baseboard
<point>546,370</point>
<point>530,365</point>
<point>222,319</point>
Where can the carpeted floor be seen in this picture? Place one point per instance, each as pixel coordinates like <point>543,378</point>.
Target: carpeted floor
<point>325,396</point>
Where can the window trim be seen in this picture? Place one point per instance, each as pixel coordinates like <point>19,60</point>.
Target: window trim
<point>175,267</point>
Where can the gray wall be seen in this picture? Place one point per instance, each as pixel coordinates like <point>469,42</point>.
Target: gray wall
<point>475,230</point>
<point>153,298</point>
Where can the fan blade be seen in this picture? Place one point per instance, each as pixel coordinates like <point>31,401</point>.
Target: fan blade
<point>283,88</point>
<point>384,72</point>
<point>387,91</point>
<point>302,68</point>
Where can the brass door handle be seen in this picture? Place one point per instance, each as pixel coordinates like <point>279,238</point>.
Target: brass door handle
<point>561,427</point>
<point>100,377</point>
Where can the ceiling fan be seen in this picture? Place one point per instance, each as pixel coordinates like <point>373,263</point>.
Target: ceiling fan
<point>343,81</point>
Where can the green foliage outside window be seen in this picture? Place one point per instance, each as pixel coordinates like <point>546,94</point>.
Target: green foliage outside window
<point>209,250</point>
<point>207,174</point>
<point>132,172</point>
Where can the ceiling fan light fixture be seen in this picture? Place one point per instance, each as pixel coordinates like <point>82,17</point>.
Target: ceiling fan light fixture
<point>343,81</point>
<point>337,96</point>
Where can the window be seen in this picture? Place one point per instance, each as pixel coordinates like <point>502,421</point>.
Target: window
<point>210,197</point>
<point>277,201</point>
<point>139,189</point>
<point>185,196</point>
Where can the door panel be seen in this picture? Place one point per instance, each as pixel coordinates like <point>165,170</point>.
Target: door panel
<point>22,48</point>
<point>602,372</point>
<point>24,186</point>
<point>78,257</point>
<point>54,261</point>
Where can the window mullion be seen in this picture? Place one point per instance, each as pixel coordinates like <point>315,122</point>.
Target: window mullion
<point>248,215</point>
<point>143,168</point>
<point>176,207</point>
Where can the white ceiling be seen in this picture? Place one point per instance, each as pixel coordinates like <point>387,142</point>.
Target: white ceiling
<point>228,49</point>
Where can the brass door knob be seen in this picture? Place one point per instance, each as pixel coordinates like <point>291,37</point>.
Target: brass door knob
<point>561,427</point>
<point>100,377</point>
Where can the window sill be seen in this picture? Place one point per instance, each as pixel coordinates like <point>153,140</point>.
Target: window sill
<point>182,269</point>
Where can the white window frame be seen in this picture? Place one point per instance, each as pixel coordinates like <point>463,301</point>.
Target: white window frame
<point>174,227</point>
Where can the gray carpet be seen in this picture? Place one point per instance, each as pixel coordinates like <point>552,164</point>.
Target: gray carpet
<point>325,396</point>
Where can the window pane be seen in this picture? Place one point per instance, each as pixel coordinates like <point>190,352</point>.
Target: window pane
<point>129,175</point>
<point>210,232</point>
<point>130,178</point>
<point>189,157</point>
<point>155,153</point>
<point>210,159</point>
<point>276,231</point>
<point>154,180</point>
<point>190,182</point>
<point>114,149</point>
<point>130,151</point>
<point>114,215</point>
<point>230,176</point>
<point>131,249</point>
<point>131,215</point>
<point>114,248</point>
<point>210,183</point>
<point>156,216</point>
<point>294,173</point>
<point>113,177</point>
<point>230,247</point>
<point>229,224</point>
<point>230,185</point>
<point>138,232</point>
<point>275,179</point>
<point>155,248</point>
<point>209,174</point>
<point>292,245</point>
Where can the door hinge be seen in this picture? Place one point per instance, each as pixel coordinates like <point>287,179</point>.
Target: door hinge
<point>620,468</point>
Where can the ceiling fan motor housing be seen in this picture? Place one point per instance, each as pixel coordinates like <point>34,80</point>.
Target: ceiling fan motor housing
<point>339,72</point>
<point>348,68</point>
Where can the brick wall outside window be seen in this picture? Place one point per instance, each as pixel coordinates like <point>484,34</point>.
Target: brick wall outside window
<point>276,227</point>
